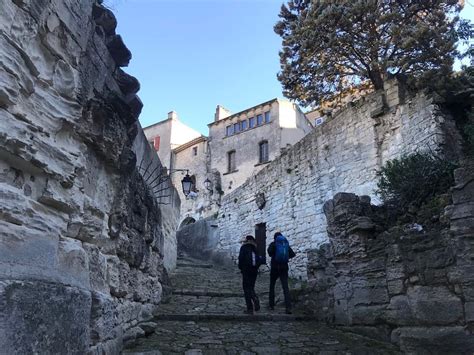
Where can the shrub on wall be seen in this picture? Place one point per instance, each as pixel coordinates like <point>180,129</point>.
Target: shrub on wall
<point>414,179</point>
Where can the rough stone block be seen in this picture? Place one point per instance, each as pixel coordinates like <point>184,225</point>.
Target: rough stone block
<point>434,340</point>
<point>37,317</point>
<point>424,299</point>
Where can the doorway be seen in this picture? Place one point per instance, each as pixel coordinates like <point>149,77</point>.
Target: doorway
<point>261,236</point>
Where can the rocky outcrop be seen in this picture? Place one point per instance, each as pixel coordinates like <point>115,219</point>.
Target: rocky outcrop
<point>82,237</point>
<point>412,285</point>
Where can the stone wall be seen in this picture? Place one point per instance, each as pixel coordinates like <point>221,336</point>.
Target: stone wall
<point>343,154</point>
<point>82,237</point>
<point>412,286</point>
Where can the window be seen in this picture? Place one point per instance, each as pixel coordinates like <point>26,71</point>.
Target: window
<point>267,117</point>
<point>263,152</point>
<point>195,150</point>
<point>259,119</point>
<point>155,143</point>
<point>244,125</point>
<point>237,127</point>
<point>231,161</point>
<point>251,122</point>
<point>229,130</point>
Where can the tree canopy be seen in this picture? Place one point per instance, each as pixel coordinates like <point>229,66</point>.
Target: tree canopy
<point>329,46</point>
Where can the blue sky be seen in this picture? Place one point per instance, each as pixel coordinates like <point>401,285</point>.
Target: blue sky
<point>190,55</point>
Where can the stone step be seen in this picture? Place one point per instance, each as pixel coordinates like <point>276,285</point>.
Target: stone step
<point>240,317</point>
<point>206,293</point>
<point>212,293</point>
<point>193,265</point>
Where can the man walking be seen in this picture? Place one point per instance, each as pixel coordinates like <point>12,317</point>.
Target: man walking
<point>248,265</point>
<point>280,252</point>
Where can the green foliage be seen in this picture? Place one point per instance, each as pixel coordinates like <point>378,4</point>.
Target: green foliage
<point>414,179</point>
<point>329,46</point>
<point>455,93</point>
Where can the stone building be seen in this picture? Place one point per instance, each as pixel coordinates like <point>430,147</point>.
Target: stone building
<point>239,146</point>
<point>168,134</point>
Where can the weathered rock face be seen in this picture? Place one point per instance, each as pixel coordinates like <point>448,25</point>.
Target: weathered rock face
<point>82,238</point>
<point>414,286</point>
<point>343,154</point>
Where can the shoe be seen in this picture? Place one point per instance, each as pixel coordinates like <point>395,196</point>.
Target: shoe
<point>288,311</point>
<point>256,304</point>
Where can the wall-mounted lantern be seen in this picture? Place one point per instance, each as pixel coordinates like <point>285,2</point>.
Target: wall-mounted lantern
<point>187,184</point>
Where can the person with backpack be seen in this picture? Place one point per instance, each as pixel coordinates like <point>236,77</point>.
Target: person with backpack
<point>280,252</point>
<point>248,265</point>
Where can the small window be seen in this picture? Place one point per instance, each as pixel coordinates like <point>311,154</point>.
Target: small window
<point>195,150</point>
<point>251,122</point>
<point>259,120</point>
<point>267,117</point>
<point>155,143</point>
<point>237,127</point>
<point>244,125</point>
<point>263,152</point>
<point>229,130</point>
<point>231,161</point>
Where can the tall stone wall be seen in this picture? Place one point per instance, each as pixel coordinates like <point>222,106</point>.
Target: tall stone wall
<point>343,154</point>
<point>82,237</point>
<point>412,286</point>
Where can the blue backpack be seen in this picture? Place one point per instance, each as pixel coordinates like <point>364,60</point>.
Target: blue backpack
<point>282,248</point>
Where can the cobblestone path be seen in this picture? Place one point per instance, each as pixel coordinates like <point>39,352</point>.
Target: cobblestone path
<point>205,316</point>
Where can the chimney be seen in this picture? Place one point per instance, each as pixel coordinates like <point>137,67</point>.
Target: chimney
<point>221,113</point>
<point>172,115</point>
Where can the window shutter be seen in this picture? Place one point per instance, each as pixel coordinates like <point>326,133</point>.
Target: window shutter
<point>156,143</point>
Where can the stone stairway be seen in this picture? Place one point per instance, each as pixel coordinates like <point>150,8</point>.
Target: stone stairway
<point>204,315</point>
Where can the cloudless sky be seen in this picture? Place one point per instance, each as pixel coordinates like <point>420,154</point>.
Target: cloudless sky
<point>191,55</point>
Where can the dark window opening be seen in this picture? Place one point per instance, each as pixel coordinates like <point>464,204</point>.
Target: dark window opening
<point>231,161</point>
<point>237,127</point>
<point>263,152</point>
<point>195,150</point>
<point>251,122</point>
<point>267,117</point>
<point>259,120</point>
<point>261,236</point>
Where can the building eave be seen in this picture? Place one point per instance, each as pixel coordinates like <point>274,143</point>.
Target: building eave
<point>186,145</point>
<point>242,112</point>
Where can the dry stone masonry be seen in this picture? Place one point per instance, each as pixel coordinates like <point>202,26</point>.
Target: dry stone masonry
<point>343,154</point>
<point>82,238</point>
<point>414,287</point>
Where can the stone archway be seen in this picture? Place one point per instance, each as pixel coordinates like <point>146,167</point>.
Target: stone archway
<point>186,221</point>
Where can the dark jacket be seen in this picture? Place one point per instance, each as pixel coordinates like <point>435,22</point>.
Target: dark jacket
<point>271,252</point>
<point>245,256</point>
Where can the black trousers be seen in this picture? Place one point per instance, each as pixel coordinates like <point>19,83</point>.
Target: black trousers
<point>249,277</point>
<point>282,274</point>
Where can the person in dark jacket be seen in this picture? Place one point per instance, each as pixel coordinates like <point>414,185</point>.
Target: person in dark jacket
<point>279,271</point>
<point>249,267</point>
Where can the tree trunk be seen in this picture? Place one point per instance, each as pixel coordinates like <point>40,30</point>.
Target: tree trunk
<point>375,77</point>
